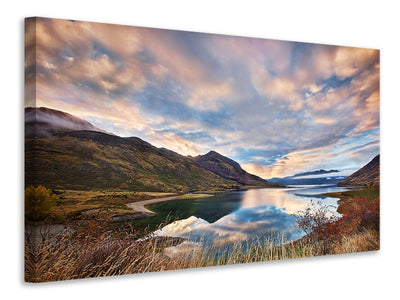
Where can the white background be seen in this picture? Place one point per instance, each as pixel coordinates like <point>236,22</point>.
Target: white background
<point>371,24</point>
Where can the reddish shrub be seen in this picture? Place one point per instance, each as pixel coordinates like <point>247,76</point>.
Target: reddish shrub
<point>357,215</point>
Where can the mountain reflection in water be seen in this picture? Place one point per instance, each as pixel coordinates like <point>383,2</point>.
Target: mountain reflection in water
<point>255,213</point>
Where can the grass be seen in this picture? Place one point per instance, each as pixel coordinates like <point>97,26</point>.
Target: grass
<point>368,193</point>
<point>95,161</point>
<point>75,205</point>
<point>367,240</point>
<point>85,255</point>
<point>193,196</point>
<point>91,249</point>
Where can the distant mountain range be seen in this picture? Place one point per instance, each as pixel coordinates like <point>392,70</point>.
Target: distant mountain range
<point>65,152</point>
<point>312,178</point>
<point>369,174</point>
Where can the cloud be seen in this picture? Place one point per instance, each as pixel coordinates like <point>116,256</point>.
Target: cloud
<point>325,120</point>
<point>243,97</point>
<point>175,143</point>
<point>276,88</point>
<point>207,95</point>
<point>240,226</point>
<point>350,61</point>
<point>309,159</point>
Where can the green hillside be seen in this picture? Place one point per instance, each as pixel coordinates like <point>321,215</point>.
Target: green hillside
<point>84,160</point>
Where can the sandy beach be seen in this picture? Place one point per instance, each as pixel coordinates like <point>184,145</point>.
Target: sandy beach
<point>140,206</point>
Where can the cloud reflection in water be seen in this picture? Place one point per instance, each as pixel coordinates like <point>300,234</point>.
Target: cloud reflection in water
<point>262,212</point>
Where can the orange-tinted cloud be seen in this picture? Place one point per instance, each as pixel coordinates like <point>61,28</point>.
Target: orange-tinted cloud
<point>290,163</point>
<point>240,95</point>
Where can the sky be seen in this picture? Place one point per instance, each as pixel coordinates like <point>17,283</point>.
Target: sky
<point>276,107</point>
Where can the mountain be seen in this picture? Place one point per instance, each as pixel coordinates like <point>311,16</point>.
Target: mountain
<point>312,177</point>
<point>44,122</point>
<point>83,160</point>
<point>318,172</point>
<point>369,174</point>
<point>65,152</point>
<point>230,169</point>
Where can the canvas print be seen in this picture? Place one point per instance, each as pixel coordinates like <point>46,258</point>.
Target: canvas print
<point>152,150</point>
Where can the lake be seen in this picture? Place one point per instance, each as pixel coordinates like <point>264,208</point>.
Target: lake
<point>241,216</point>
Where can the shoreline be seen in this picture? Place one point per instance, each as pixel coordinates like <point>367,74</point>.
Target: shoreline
<point>139,207</point>
<point>140,211</point>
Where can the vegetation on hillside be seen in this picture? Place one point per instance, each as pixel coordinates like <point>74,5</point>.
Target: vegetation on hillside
<point>70,205</point>
<point>87,160</point>
<point>367,175</point>
<point>39,202</point>
<point>360,213</point>
<point>90,249</point>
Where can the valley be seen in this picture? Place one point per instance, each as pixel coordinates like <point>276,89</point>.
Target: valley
<point>102,185</point>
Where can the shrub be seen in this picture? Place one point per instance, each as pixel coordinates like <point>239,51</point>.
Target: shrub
<point>316,220</point>
<point>358,216</point>
<point>38,202</point>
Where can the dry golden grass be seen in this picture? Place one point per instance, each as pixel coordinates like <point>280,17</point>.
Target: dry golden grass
<point>367,240</point>
<point>193,196</point>
<point>81,204</point>
<point>261,250</point>
<point>90,249</point>
<point>89,254</point>
<point>65,257</point>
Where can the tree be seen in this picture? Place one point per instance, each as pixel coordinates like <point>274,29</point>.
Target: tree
<point>38,202</point>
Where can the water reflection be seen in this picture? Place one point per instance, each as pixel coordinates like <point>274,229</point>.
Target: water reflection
<point>260,212</point>
<point>281,198</point>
